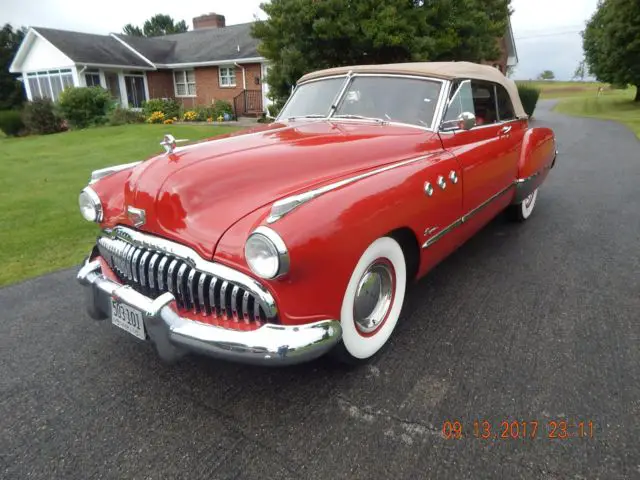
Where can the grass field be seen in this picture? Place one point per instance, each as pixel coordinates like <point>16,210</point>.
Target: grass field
<point>581,99</point>
<point>41,229</point>
<point>552,89</point>
<point>615,105</point>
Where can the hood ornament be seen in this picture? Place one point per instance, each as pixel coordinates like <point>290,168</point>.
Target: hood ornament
<point>137,216</point>
<point>169,143</point>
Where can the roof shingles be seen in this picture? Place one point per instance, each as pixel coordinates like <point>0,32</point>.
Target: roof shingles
<point>91,49</point>
<point>233,42</point>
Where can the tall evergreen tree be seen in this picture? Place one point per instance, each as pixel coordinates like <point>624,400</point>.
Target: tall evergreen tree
<point>300,36</point>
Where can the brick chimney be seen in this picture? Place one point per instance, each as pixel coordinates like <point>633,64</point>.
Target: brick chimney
<point>209,20</point>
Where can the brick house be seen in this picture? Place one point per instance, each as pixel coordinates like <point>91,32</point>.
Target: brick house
<point>211,62</point>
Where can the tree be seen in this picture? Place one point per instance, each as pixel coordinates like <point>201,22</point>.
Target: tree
<point>11,91</point>
<point>581,71</point>
<point>300,36</point>
<point>547,75</point>
<point>132,30</point>
<point>156,26</point>
<point>611,43</point>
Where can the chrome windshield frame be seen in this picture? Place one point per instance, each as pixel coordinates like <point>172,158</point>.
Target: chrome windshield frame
<point>350,76</point>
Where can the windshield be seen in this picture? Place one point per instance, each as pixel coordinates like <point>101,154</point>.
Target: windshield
<point>381,98</point>
<point>313,99</point>
<point>393,99</point>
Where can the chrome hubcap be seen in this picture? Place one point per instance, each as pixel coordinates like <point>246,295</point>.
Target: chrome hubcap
<point>373,297</point>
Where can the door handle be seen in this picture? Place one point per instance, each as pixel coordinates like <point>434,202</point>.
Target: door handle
<point>505,130</point>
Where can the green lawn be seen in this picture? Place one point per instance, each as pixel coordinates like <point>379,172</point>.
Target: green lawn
<point>615,105</point>
<point>41,229</point>
<point>553,89</point>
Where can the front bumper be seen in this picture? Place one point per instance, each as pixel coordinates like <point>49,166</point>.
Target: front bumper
<point>175,336</point>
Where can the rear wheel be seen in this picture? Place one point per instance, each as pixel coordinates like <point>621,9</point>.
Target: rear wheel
<point>372,301</point>
<point>523,210</point>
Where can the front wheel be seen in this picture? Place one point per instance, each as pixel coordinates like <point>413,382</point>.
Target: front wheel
<point>372,301</point>
<point>523,210</point>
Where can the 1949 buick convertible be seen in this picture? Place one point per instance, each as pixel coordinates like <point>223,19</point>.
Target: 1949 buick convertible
<point>277,245</point>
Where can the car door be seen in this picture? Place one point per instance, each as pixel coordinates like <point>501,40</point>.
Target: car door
<point>512,132</point>
<point>485,159</point>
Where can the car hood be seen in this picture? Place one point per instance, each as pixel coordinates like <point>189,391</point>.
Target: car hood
<point>196,193</point>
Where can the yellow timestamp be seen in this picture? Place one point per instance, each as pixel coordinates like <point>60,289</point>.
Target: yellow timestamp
<point>518,429</point>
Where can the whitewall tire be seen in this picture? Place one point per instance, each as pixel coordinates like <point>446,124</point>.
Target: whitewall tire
<point>372,301</point>
<point>523,210</point>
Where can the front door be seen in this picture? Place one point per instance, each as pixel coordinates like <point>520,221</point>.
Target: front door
<point>486,159</point>
<point>113,85</point>
<point>135,90</point>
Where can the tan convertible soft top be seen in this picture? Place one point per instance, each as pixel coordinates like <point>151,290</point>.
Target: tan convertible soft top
<point>444,70</point>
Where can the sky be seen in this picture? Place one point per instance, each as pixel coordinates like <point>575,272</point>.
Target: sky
<point>546,31</point>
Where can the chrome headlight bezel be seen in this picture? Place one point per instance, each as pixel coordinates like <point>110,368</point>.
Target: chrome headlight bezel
<point>90,205</point>
<point>276,246</point>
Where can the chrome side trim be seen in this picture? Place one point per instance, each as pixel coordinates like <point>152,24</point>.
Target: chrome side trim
<point>195,261</point>
<point>466,217</point>
<point>105,172</point>
<point>282,207</point>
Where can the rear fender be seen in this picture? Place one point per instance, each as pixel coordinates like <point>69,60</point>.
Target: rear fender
<point>537,156</point>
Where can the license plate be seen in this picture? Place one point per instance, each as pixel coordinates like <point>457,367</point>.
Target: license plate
<point>127,318</point>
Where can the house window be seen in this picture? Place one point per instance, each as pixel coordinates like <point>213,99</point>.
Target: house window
<point>92,78</point>
<point>227,76</point>
<point>185,83</point>
<point>49,84</point>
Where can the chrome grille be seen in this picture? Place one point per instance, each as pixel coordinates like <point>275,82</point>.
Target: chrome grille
<point>153,273</point>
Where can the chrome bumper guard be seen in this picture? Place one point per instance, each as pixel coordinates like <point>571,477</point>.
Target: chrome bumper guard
<point>175,336</point>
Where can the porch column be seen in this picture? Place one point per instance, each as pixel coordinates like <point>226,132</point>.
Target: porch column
<point>103,80</point>
<point>27,88</point>
<point>78,80</point>
<point>146,87</point>
<point>124,101</point>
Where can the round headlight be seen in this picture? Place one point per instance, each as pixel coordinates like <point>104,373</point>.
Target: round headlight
<point>90,206</point>
<point>266,253</point>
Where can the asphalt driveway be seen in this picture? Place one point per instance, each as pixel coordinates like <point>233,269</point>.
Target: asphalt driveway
<point>534,322</point>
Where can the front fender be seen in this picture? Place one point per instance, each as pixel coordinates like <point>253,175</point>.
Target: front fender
<point>327,235</point>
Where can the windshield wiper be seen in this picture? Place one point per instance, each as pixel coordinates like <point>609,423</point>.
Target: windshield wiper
<point>312,115</point>
<point>360,117</point>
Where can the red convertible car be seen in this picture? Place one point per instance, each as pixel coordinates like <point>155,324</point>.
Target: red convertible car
<point>277,245</point>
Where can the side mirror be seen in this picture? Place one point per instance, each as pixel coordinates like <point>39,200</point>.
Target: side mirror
<point>466,121</point>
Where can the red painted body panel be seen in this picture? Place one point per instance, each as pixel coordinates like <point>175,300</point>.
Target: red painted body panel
<point>211,196</point>
<point>195,194</point>
<point>537,152</point>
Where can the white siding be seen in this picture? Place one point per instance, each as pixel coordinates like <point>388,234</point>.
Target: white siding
<point>44,56</point>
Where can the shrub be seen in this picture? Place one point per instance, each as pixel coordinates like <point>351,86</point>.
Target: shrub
<point>220,107</point>
<point>156,117</point>
<point>11,123</point>
<point>84,107</point>
<point>529,96</point>
<point>124,116</point>
<point>273,110</point>
<point>169,106</point>
<point>41,118</point>
<point>204,113</point>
